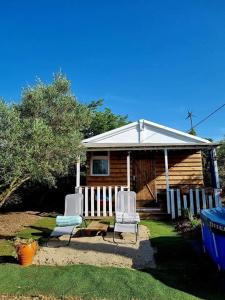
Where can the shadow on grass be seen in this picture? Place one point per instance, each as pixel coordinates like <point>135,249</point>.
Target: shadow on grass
<point>9,259</point>
<point>182,265</point>
<point>6,237</point>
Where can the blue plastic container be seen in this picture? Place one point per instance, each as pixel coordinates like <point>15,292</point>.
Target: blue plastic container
<point>213,234</point>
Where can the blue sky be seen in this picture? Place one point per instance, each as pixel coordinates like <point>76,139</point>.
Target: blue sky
<point>148,59</point>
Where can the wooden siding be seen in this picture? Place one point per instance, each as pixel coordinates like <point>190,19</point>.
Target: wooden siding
<point>185,168</point>
<point>117,170</point>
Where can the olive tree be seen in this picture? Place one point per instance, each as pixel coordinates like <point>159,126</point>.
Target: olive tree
<point>40,137</point>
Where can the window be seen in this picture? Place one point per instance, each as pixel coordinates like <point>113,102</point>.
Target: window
<point>100,164</point>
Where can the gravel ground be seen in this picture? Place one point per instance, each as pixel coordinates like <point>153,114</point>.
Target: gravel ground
<point>94,250</point>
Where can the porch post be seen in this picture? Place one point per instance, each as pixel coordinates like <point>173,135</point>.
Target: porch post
<point>215,168</point>
<point>167,180</point>
<point>78,173</point>
<point>128,170</point>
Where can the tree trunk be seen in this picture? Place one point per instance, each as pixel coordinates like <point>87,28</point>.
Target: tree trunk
<point>15,184</point>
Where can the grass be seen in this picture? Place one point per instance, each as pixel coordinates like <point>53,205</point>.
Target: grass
<point>87,282</point>
<point>181,263</point>
<point>181,273</point>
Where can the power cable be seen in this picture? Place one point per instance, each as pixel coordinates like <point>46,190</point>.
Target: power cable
<point>212,113</point>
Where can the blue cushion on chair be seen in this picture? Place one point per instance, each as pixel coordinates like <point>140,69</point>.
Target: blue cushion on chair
<point>62,221</point>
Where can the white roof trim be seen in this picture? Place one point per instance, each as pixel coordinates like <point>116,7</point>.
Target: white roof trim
<point>110,133</point>
<point>128,127</point>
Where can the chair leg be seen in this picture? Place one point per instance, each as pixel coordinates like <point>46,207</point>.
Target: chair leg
<point>71,234</point>
<point>48,239</point>
<point>70,238</point>
<point>114,237</point>
<point>137,233</point>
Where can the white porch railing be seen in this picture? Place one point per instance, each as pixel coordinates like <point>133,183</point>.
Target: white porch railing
<point>99,200</point>
<point>195,200</point>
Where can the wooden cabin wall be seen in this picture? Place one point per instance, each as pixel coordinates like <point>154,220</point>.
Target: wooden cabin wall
<point>185,168</point>
<point>117,169</point>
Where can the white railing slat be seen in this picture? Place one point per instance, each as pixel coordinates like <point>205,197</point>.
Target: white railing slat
<point>98,201</point>
<point>210,201</point>
<point>168,201</point>
<point>86,201</point>
<point>172,203</point>
<point>203,199</point>
<point>110,201</point>
<point>197,200</point>
<point>191,202</point>
<point>185,201</point>
<point>92,201</point>
<point>217,197</point>
<point>178,203</point>
<point>116,193</point>
<point>104,201</point>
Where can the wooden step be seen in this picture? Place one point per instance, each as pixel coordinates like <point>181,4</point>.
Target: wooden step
<point>152,213</point>
<point>147,203</point>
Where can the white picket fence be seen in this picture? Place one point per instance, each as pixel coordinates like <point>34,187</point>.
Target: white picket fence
<point>195,200</point>
<point>99,200</point>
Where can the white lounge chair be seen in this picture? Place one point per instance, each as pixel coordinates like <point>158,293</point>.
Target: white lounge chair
<point>73,207</point>
<point>126,217</point>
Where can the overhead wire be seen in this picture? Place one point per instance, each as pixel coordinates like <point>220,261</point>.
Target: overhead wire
<point>212,113</point>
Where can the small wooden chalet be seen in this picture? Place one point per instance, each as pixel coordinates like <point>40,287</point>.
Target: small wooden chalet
<point>162,165</point>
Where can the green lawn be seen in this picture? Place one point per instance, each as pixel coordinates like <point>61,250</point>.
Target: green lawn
<point>181,272</point>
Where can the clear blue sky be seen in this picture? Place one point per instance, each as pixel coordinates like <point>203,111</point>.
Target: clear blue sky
<point>148,59</point>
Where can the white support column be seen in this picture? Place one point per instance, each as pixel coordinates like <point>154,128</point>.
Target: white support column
<point>78,172</point>
<point>215,166</point>
<point>167,180</point>
<point>128,171</point>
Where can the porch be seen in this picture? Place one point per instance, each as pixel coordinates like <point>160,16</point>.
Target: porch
<point>99,201</point>
<point>166,181</point>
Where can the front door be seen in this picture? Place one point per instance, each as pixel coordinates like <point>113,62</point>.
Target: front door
<point>143,179</point>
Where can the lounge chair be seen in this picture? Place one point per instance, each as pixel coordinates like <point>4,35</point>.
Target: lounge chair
<point>126,217</point>
<point>73,207</point>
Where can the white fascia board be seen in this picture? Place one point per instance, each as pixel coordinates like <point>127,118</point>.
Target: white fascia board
<point>110,133</point>
<point>190,136</point>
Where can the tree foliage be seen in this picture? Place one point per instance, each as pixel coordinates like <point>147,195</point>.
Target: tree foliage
<point>192,131</point>
<point>40,137</point>
<point>102,121</point>
<point>221,161</point>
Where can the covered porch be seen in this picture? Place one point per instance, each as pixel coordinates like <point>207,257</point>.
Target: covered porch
<point>166,181</point>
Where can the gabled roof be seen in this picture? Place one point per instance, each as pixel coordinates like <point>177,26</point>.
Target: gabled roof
<point>144,133</point>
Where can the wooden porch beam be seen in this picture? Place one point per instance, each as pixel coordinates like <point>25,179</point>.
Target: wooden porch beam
<point>167,180</point>
<point>78,173</point>
<point>128,170</point>
<point>215,167</point>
